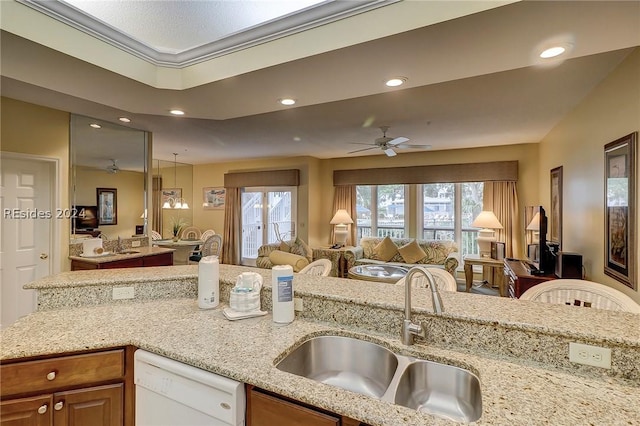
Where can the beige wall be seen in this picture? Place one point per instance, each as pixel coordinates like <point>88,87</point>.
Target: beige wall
<point>315,195</point>
<point>31,129</point>
<point>129,186</point>
<point>610,111</point>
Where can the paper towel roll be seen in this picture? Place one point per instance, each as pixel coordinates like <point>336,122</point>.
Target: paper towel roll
<point>282,293</point>
<point>208,282</point>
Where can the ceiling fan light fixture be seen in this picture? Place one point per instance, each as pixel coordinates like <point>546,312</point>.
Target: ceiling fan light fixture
<point>287,101</point>
<point>396,81</point>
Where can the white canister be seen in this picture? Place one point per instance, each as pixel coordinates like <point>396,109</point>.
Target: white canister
<point>282,293</point>
<point>208,282</point>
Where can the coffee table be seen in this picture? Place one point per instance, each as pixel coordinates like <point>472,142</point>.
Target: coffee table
<point>379,273</point>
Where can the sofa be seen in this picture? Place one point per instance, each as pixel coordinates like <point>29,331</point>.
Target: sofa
<point>295,253</point>
<point>405,252</point>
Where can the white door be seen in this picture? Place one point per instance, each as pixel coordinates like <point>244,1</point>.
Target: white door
<point>268,214</point>
<point>26,188</point>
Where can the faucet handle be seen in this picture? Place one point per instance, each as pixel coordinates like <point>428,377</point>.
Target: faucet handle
<point>410,330</point>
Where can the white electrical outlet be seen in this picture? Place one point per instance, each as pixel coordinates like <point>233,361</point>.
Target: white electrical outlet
<point>297,304</point>
<point>590,355</point>
<point>123,293</point>
<point>135,243</point>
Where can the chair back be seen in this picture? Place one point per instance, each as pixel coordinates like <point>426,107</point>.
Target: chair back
<point>321,267</point>
<point>206,234</point>
<point>581,293</point>
<point>155,235</point>
<point>444,280</point>
<point>190,233</point>
<point>212,246</point>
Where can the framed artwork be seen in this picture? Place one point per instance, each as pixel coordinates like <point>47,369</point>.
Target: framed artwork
<point>170,195</point>
<point>555,215</point>
<point>107,201</point>
<point>620,209</point>
<point>213,198</point>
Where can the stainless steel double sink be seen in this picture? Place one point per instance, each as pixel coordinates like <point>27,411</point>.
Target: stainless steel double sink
<point>373,370</point>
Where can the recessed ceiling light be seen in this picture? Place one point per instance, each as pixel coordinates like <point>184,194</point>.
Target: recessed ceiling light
<point>396,81</point>
<point>552,52</point>
<point>95,125</point>
<point>287,101</point>
<point>124,119</point>
<point>176,112</point>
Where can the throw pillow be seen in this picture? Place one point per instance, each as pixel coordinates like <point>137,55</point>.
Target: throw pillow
<point>412,252</point>
<point>285,247</point>
<point>278,257</point>
<point>301,248</point>
<point>384,250</point>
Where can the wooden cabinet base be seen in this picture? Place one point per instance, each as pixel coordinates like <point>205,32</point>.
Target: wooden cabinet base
<point>266,409</point>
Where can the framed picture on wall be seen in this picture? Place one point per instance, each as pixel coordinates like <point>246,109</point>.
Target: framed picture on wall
<point>555,215</point>
<point>213,198</point>
<point>620,209</point>
<point>107,201</point>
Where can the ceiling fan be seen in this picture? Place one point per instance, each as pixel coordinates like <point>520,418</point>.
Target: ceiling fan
<point>388,144</point>
<point>113,168</point>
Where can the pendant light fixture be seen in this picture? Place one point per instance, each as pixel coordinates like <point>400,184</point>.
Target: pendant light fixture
<point>175,203</point>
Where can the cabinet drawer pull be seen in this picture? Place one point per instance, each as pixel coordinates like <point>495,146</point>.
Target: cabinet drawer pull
<point>58,406</point>
<point>51,376</point>
<point>42,409</point>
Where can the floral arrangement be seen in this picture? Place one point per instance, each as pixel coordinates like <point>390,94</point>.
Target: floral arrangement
<point>177,224</point>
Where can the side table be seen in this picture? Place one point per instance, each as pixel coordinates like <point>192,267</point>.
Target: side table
<point>336,256</point>
<point>496,266</point>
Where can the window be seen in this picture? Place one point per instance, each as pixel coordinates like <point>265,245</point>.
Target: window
<point>268,214</point>
<point>446,213</point>
<point>381,210</point>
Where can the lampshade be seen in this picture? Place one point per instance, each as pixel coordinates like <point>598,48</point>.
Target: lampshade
<point>534,225</point>
<point>486,219</point>
<point>488,222</point>
<point>341,220</point>
<point>341,217</point>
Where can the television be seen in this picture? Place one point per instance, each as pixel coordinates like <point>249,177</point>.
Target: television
<point>542,254</point>
<point>86,218</point>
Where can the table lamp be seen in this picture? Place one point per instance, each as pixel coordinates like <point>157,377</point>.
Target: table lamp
<point>341,220</point>
<point>487,221</point>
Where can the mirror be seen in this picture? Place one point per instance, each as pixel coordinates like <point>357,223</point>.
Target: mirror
<point>172,182</point>
<point>108,179</point>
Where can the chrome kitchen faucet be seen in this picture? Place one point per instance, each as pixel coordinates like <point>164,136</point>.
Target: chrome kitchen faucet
<point>410,329</point>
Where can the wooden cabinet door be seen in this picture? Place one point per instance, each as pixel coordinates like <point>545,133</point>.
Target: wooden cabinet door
<point>164,259</point>
<point>267,410</point>
<point>32,411</point>
<point>96,406</point>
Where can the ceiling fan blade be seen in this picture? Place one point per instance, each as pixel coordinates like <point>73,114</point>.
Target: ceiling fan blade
<point>413,146</point>
<point>397,141</point>
<point>361,143</point>
<point>360,150</point>
<point>390,152</point>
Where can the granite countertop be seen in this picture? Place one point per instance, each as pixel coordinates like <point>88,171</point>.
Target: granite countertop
<point>515,389</point>
<point>112,257</point>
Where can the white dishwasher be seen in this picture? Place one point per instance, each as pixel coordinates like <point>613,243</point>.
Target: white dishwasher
<point>170,393</point>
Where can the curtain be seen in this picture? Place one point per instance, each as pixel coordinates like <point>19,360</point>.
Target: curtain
<point>232,225</point>
<point>344,197</point>
<point>502,199</point>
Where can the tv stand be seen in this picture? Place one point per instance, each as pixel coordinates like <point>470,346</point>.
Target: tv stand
<point>520,277</point>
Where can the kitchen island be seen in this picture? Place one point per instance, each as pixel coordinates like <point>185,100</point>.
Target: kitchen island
<point>518,349</point>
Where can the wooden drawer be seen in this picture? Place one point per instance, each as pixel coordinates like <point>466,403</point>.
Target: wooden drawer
<point>61,372</point>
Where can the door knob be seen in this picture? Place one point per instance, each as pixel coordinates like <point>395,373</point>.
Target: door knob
<point>42,409</point>
<point>58,406</point>
<point>44,255</point>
